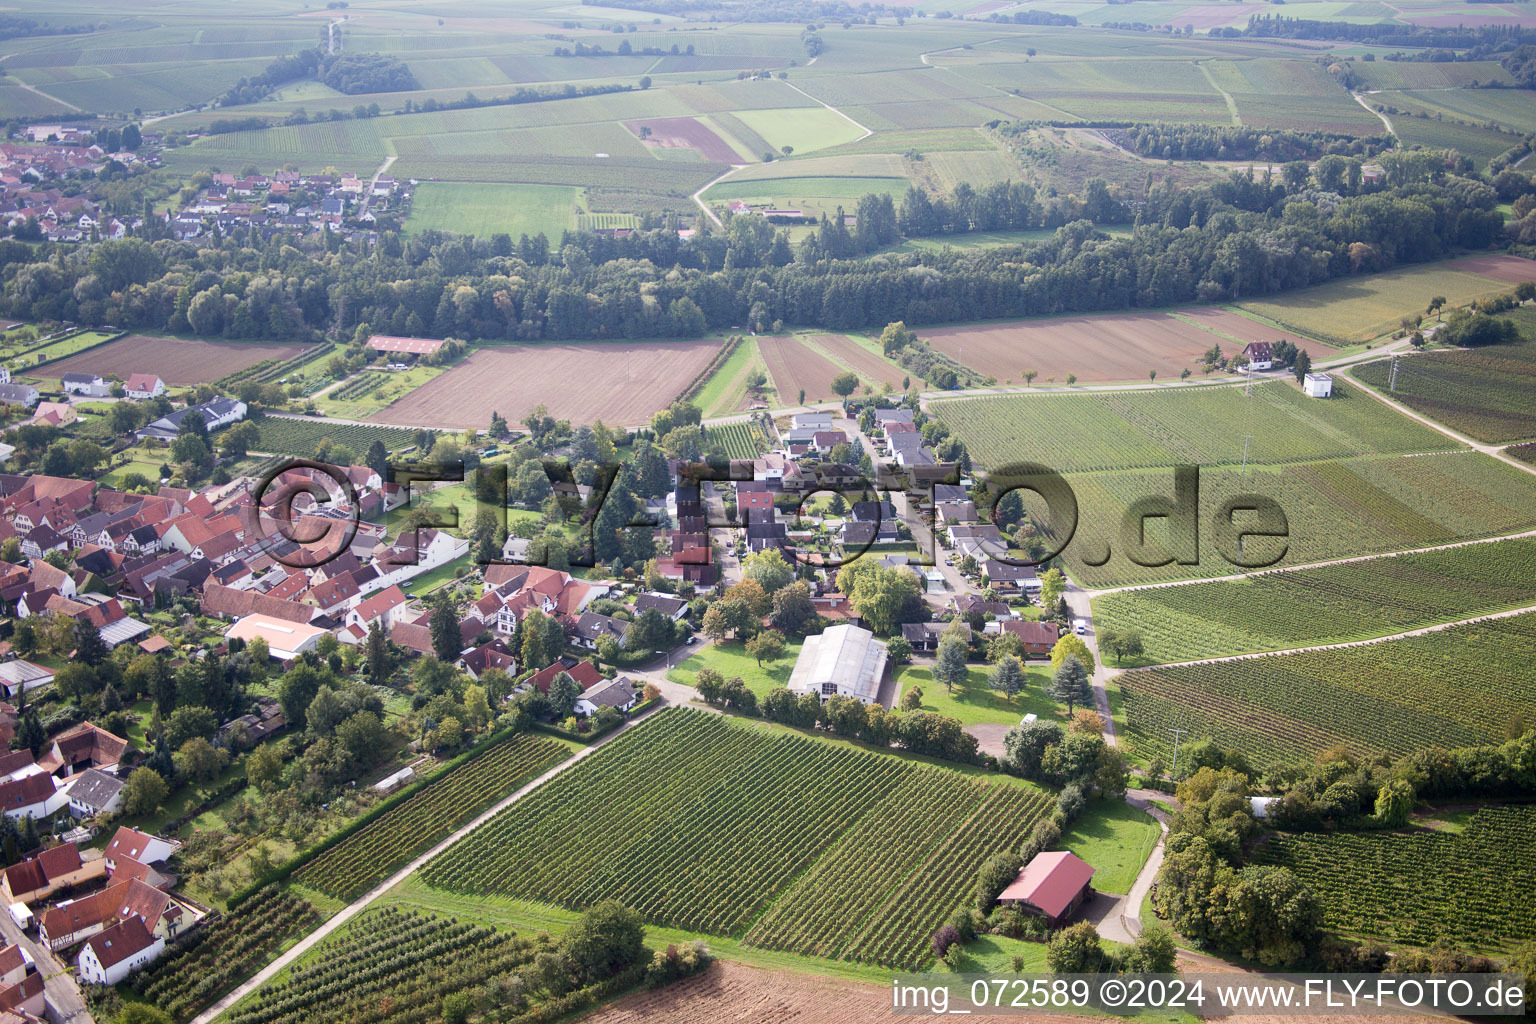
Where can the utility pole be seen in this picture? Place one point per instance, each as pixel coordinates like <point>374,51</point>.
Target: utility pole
<point>1392,380</point>
<point>1246,439</point>
<point>1174,771</point>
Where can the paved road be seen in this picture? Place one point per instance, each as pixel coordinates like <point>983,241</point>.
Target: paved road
<point>1079,601</point>
<point>357,907</point>
<point>59,988</point>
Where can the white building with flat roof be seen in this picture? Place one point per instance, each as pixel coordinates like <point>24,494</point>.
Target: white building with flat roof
<point>285,640</point>
<point>843,661</point>
<point>1317,385</point>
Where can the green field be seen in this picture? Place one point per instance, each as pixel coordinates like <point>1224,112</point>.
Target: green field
<point>804,129</point>
<point>731,660</point>
<point>1415,886</point>
<point>1333,509</point>
<point>731,819</point>
<point>1204,426</point>
<point>974,702</point>
<point>1329,604</point>
<point>1116,839</point>
<point>1455,687</point>
<point>1488,394</point>
<point>1358,309</point>
<point>485,209</point>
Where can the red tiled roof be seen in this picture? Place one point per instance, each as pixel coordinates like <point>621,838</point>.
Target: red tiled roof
<point>121,941</point>
<point>584,672</point>
<point>1050,882</point>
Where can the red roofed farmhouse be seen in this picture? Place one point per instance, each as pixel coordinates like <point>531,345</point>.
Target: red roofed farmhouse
<point>404,346</point>
<point>1052,886</point>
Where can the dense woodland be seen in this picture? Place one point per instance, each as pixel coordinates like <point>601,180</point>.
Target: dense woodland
<point>1235,239</point>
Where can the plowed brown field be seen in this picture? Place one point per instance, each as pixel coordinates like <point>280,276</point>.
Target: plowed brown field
<point>176,360</point>
<point>1244,330</point>
<point>871,368</point>
<point>685,133</point>
<point>792,366</point>
<point>620,383</point>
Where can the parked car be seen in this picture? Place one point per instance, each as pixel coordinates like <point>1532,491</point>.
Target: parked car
<point>1080,628</point>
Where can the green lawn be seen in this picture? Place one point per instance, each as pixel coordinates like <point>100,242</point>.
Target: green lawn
<point>391,387</point>
<point>974,702</point>
<point>1114,837</point>
<point>430,581</point>
<point>485,209</point>
<point>731,659</point>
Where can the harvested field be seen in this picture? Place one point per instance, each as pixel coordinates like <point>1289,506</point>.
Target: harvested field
<point>792,367</point>
<point>1098,347</point>
<point>176,360</point>
<point>685,133</point>
<point>1243,329</point>
<point>1513,269</point>
<point>619,383</point>
<point>872,369</point>
<point>731,991</point>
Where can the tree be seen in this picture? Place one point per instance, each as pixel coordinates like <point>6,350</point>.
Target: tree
<point>1154,952</point>
<point>297,689</point>
<point>145,792</point>
<point>264,766</point>
<point>1024,747</point>
<point>768,568</point>
<point>997,872</point>
<point>884,596</point>
<point>1436,304</point>
<point>949,665</point>
<point>604,940</point>
<point>912,699</point>
<point>90,648</point>
<point>1071,645</point>
<point>793,608</point>
<point>1302,366</point>
<point>563,694</point>
<point>1008,676</point>
<point>1394,802</point>
<point>709,683</point>
<point>447,638</point>
<point>844,384</point>
<point>1071,683</point>
<point>1121,643</point>
<point>767,645</point>
<point>188,723</point>
<point>380,661</point>
<point>1075,949</point>
<point>1052,585</point>
<point>898,650</point>
<point>199,762</point>
<point>141,1013</point>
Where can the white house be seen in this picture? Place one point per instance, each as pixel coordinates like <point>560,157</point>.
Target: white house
<point>111,955</point>
<point>131,844</point>
<point>842,661</point>
<point>37,796</point>
<point>1260,355</point>
<point>1318,385</point>
<point>285,640</point>
<point>387,606</point>
<point>144,385</point>
<point>93,792</point>
<point>614,693</point>
<point>88,384</point>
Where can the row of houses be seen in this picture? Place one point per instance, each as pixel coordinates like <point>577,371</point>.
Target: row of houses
<point>288,202</point>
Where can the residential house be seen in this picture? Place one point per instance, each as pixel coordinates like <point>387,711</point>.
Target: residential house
<point>130,844</point>
<point>80,747</point>
<point>584,672</point>
<point>21,988</point>
<point>591,627</point>
<point>116,952</point>
<point>1260,355</point>
<point>250,729</point>
<point>93,793</point>
<point>144,385</point>
<point>37,796</point>
<point>387,606</point>
<point>925,636</point>
<point>495,654</point>
<point>1038,637</point>
<point>617,693</point>
<point>1007,578</point>
<point>673,608</point>
<point>90,385</point>
<point>18,394</point>
<point>51,871</point>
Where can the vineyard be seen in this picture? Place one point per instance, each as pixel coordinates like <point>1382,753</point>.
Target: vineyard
<point>269,370</point>
<point>390,967</point>
<point>1333,510</point>
<point>1308,607</point>
<point>1485,393</point>
<point>734,440</point>
<point>360,386</point>
<point>190,976</point>
<point>283,436</point>
<point>367,857</point>
<point>1454,687</point>
<point>1196,426</point>
<point>717,819</point>
<point>1422,886</point>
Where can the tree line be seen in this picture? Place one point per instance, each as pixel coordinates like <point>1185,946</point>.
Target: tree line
<point>1239,238</point>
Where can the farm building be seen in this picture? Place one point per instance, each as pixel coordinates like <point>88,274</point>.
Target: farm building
<point>1052,886</point>
<point>1318,385</point>
<point>144,385</point>
<point>88,384</point>
<point>404,346</point>
<point>843,661</point>
<point>1259,354</point>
